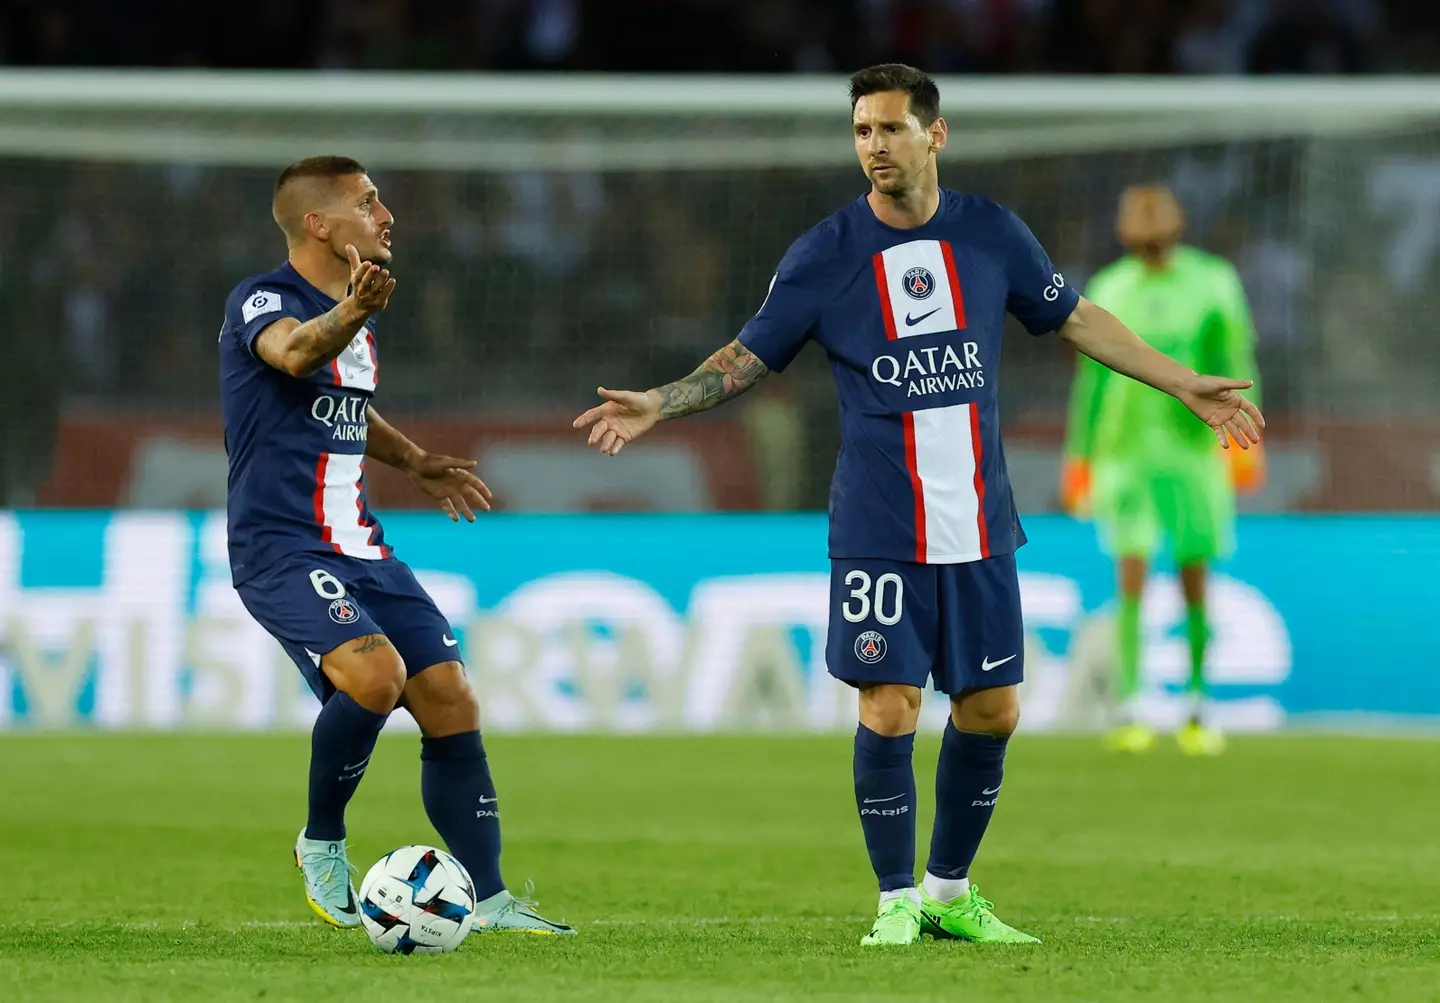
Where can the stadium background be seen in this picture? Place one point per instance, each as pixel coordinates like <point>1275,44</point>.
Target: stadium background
<point>530,270</point>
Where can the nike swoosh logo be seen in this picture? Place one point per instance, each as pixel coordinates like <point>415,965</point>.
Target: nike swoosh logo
<point>986,665</point>
<point>995,791</point>
<point>912,321</point>
<point>450,642</point>
<point>358,766</point>
<point>485,800</point>
<point>897,797</point>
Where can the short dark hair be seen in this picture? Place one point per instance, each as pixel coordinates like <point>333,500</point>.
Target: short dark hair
<point>319,167</point>
<point>924,94</point>
<point>305,185</point>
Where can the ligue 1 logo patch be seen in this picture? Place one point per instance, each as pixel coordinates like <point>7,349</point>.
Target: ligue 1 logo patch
<point>918,283</point>
<point>343,611</point>
<point>870,647</point>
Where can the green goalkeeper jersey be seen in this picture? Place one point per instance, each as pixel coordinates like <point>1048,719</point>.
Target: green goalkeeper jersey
<point>1194,311</point>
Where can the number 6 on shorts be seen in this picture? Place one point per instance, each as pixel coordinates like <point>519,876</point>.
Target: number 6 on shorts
<point>326,585</point>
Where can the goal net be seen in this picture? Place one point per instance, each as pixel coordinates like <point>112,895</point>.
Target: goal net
<point>558,232</point>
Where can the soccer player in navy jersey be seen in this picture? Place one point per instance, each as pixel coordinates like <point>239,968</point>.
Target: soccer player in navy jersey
<point>907,289</point>
<point>299,365</point>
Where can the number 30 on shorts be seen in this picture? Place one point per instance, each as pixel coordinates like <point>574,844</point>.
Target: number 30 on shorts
<point>889,601</point>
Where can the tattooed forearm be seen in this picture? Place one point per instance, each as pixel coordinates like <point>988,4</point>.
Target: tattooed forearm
<point>322,339</point>
<point>369,643</point>
<point>301,349</point>
<point>725,375</point>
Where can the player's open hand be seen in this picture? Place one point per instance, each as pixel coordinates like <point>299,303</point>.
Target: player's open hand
<point>1217,402</point>
<point>451,482</point>
<point>370,285</point>
<point>625,415</point>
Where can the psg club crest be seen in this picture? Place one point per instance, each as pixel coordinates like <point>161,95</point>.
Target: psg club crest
<point>343,611</point>
<point>918,283</point>
<point>870,647</point>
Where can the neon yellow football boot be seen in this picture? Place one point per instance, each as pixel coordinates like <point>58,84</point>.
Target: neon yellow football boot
<point>1195,739</point>
<point>1134,738</point>
<point>968,917</point>
<point>897,923</point>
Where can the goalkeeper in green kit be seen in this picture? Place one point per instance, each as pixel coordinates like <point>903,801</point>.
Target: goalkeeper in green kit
<point>1138,460</point>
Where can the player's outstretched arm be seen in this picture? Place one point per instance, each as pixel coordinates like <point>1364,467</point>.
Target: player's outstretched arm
<point>448,479</point>
<point>1214,399</point>
<point>301,349</point>
<point>724,376</point>
<point>628,414</point>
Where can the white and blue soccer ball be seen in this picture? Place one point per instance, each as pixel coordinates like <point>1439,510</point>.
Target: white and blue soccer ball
<point>417,900</point>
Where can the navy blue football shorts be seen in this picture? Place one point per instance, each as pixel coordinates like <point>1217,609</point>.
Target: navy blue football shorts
<point>313,603</point>
<point>899,622</point>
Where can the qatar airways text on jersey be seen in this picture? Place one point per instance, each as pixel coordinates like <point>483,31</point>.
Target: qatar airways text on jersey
<point>912,322</point>
<point>296,445</point>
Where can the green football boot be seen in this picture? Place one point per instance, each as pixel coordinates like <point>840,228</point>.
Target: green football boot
<point>1133,738</point>
<point>1197,740</point>
<point>898,922</point>
<point>968,918</point>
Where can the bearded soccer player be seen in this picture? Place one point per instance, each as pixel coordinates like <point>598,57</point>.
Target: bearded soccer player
<point>1136,458</point>
<point>299,365</point>
<point>907,289</point>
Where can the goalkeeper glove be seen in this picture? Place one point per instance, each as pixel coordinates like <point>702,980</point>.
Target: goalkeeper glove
<point>1075,485</point>
<point>1247,468</point>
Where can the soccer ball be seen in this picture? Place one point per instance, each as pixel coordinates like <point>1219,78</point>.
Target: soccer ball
<point>417,900</point>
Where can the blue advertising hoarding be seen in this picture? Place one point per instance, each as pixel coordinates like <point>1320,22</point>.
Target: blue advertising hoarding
<point>645,622</point>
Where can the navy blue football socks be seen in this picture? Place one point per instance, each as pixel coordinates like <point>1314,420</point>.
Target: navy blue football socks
<point>967,783</point>
<point>460,800</point>
<point>885,796</point>
<point>340,747</point>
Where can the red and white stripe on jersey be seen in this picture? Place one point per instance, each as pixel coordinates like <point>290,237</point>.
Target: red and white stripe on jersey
<point>943,453</point>
<point>339,510</point>
<point>358,367</point>
<point>907,314</point>
<point>943,449</point>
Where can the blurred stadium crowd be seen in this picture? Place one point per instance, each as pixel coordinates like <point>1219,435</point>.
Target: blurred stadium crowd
<point>520,291</point>
<point>959,36</point>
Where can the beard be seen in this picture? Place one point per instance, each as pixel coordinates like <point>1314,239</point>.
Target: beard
<point>893,184</point>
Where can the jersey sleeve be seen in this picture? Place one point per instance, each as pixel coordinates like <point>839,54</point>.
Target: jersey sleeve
<point>254,306</point>
<point>1038,295</point>
<point>787,318</point>
<point>1232,336</point>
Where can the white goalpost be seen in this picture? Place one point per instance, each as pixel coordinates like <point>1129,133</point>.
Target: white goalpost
<point>449,122</point>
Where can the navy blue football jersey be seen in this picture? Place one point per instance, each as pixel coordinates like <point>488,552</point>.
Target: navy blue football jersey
<point>296,446</point>
<point>911,320</point>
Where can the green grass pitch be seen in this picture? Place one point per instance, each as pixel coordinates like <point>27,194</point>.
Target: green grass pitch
<point>731,868</point>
